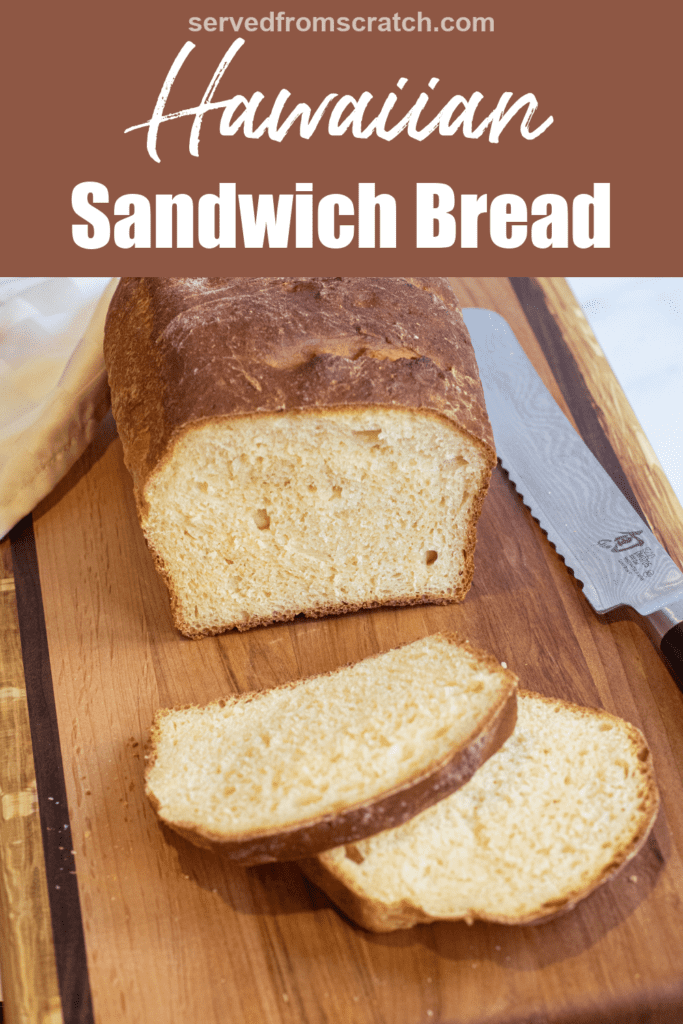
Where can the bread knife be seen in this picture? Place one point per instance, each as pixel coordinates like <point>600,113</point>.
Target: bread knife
<point>595,529</point>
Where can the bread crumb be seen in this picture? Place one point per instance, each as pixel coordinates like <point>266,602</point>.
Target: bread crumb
<point>436,691</point>
<point>556,744</point>
<point>503,664</point>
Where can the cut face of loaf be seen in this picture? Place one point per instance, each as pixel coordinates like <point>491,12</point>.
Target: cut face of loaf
<point>263,517</point>
<point>564,804</point>
<point>299,445</point>
<point>287,772</point>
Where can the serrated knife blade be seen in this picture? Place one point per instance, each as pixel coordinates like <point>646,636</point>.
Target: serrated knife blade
<point>598,533</point>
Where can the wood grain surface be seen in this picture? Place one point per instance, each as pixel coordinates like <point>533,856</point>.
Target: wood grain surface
<point>173,933</point>
<point>27,957</point>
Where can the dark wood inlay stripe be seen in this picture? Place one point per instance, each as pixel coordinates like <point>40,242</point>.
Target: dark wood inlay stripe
<point>571,383</point>
<point>65,908</point>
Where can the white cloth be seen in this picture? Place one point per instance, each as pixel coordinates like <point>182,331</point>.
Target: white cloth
<point>53,384</point>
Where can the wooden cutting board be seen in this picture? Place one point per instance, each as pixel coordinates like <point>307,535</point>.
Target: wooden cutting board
<point>129,922</point>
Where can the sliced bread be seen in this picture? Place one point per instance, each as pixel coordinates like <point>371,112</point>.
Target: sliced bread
<point>287,772</point>
<point>564,804</point>
<point>299,445</point>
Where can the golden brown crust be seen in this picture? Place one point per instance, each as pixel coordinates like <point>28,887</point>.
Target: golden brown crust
<point>182,350</point>
<point>353,823</point>
<point>378,916</point>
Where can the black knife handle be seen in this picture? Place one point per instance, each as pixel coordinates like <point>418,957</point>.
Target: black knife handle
<point>672,649</point>
<point>665,629</point>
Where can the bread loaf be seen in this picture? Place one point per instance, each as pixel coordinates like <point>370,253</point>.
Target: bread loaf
<point>287,772</point>
<point>299,445</point>
<point>565,803</point>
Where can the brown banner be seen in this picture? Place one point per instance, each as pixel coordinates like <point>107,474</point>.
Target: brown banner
<point>434,137</point>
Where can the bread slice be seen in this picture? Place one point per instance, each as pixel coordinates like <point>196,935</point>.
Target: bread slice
<point>299,445</point>
<point>284,773</point>
<point>566,802</point>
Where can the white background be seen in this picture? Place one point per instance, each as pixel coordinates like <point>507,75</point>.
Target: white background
<point>639,324</point>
